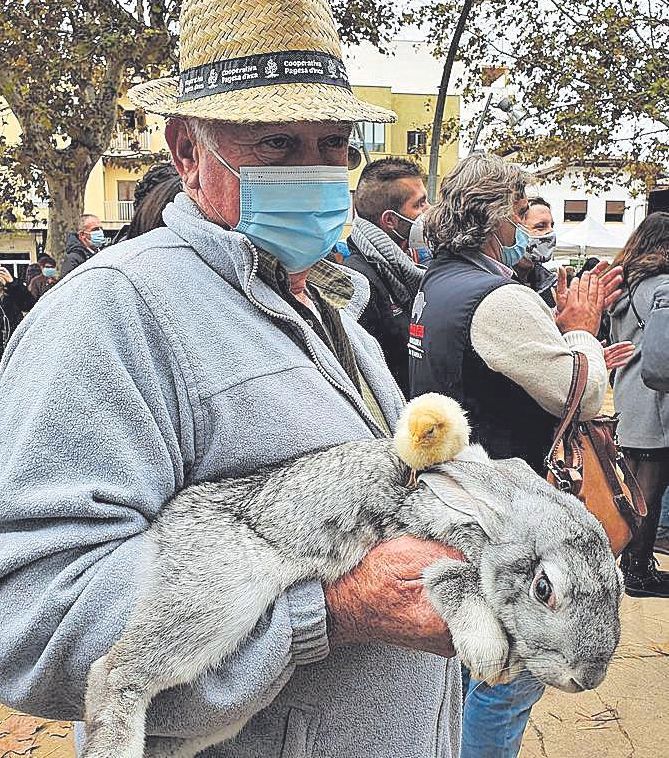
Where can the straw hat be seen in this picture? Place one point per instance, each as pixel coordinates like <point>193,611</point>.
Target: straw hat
<point>250,61</point>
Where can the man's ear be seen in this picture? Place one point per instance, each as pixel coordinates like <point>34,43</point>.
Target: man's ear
<point>387,221</point>
<point>185,152</point>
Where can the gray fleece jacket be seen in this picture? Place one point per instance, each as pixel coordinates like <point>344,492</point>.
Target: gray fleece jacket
<point>644,412</point>
<point>157,364</point>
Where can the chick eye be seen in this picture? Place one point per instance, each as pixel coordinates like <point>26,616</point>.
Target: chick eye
<point>543,590</point>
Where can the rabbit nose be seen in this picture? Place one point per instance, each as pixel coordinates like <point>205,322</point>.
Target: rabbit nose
<point>588,678</point>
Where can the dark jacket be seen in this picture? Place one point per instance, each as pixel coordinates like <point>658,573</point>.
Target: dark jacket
<point>16,301</point>
<point>384,319</point>
<point>504,418</point>
<point>655,353</point>
<point>40,284</point>
<point>76,253</point>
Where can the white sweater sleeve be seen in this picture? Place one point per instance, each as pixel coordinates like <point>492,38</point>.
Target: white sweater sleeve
<point>514,333</point>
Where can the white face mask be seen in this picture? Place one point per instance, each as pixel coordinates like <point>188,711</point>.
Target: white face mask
<point>416,238</point>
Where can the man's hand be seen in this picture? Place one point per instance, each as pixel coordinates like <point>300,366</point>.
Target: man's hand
<point>5,276</point>
<point>582,306</point>
<point>609,278</point>
<point>618,355</point>
<point>383,599</point>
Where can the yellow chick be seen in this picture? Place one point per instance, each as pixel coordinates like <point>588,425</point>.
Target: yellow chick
<point>432,429</point>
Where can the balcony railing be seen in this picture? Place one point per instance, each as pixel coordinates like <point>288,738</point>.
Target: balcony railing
<point>130,142</point>
<point>118,210</point>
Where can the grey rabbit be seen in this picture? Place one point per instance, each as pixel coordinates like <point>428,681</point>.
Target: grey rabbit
<point>539,589</point>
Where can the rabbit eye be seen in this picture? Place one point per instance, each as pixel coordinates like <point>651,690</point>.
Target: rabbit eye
<point>543,590</point>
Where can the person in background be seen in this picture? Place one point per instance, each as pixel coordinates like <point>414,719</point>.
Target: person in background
<point>655,374</point>
<point>643,429</point>
<point>46,279</point>
<point>538,222</point>
<point>389,202</point>
<point>15,300</point>
<point>158,187</point>
<point>84,243</point>
<point>492,344</point>
<point>33,270</point>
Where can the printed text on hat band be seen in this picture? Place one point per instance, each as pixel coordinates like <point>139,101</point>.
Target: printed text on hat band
<point>289,67</point>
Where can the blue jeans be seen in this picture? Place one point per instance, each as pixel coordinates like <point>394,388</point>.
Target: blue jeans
<point>664,515</point>
<point>495,718</point>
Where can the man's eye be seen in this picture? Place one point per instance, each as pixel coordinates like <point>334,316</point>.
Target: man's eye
<point>277,142</point>
<point>335,142</point>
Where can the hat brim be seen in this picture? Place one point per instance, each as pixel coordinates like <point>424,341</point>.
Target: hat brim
<point>280,103</point>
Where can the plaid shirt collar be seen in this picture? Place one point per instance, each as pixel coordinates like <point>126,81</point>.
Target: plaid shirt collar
<point>332,284</point>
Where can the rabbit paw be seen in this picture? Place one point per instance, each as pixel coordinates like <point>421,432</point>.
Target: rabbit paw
<point>480,641</point>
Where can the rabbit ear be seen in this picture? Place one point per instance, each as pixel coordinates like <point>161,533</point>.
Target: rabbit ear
<point>465,495</point>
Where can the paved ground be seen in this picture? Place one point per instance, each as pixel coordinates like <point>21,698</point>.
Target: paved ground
<point>624,718</point>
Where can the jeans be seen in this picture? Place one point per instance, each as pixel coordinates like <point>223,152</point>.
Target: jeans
<point>664,516</point>
<point>495,717</point>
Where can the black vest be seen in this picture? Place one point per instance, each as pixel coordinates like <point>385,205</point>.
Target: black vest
<point>504,418</point>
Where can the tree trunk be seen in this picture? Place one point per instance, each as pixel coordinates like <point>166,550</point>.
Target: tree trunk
<point>66,204</point>
<point>438,121</point>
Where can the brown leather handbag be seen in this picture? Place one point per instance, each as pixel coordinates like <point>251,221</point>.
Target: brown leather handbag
<point>585,461</point>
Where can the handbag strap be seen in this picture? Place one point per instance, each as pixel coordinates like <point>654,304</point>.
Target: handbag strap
<point>638,499</point>
<point>639,321</point>
<point>571,412</point>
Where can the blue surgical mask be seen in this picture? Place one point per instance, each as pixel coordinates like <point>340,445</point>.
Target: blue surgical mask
<point>513,253</point>
<point>49,272</point>
<point>295,213</point>
<point>97,238</point>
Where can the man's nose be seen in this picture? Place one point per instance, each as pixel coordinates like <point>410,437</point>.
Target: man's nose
<point>308,154</point>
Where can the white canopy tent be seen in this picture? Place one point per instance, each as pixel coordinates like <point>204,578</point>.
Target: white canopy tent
<point>591,237</point>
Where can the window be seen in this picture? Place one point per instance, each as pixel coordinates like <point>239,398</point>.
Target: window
<point>126,190</point>
<point>416,143</point>
<point>374,136</point>
<point>575,210</point>
<point>615,210</point>
<point>126,119</point>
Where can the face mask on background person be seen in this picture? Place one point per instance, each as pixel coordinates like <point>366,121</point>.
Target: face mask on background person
<point>295,213</point>
<point>417,241</point>
<point>511,254</point>
<point>541,249</point>
<point>50,272</point>
<point>97,238</point>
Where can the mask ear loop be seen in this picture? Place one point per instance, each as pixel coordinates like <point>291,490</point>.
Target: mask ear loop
<point>236,174</point>
<point>404,218</point>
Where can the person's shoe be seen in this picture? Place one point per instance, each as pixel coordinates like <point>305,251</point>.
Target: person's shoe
<point>645,582</point>
<point>662,541</point>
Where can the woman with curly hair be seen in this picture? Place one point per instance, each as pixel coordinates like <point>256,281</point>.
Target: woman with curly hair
<point>643,430</point>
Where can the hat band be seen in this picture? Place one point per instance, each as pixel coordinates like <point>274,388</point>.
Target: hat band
<point>290,67</point>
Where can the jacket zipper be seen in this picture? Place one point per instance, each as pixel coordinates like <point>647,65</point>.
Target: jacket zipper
<point>361,408</point>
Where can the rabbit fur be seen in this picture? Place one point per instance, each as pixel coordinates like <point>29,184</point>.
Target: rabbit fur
<point>220,554</point>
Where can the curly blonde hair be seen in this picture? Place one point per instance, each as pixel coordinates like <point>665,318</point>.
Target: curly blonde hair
<point>474,199</point>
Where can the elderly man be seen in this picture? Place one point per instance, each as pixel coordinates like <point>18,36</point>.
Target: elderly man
<point>389,202</point>
<point>207,348</point>
<point>89,238</point>
<point>495,346</point>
